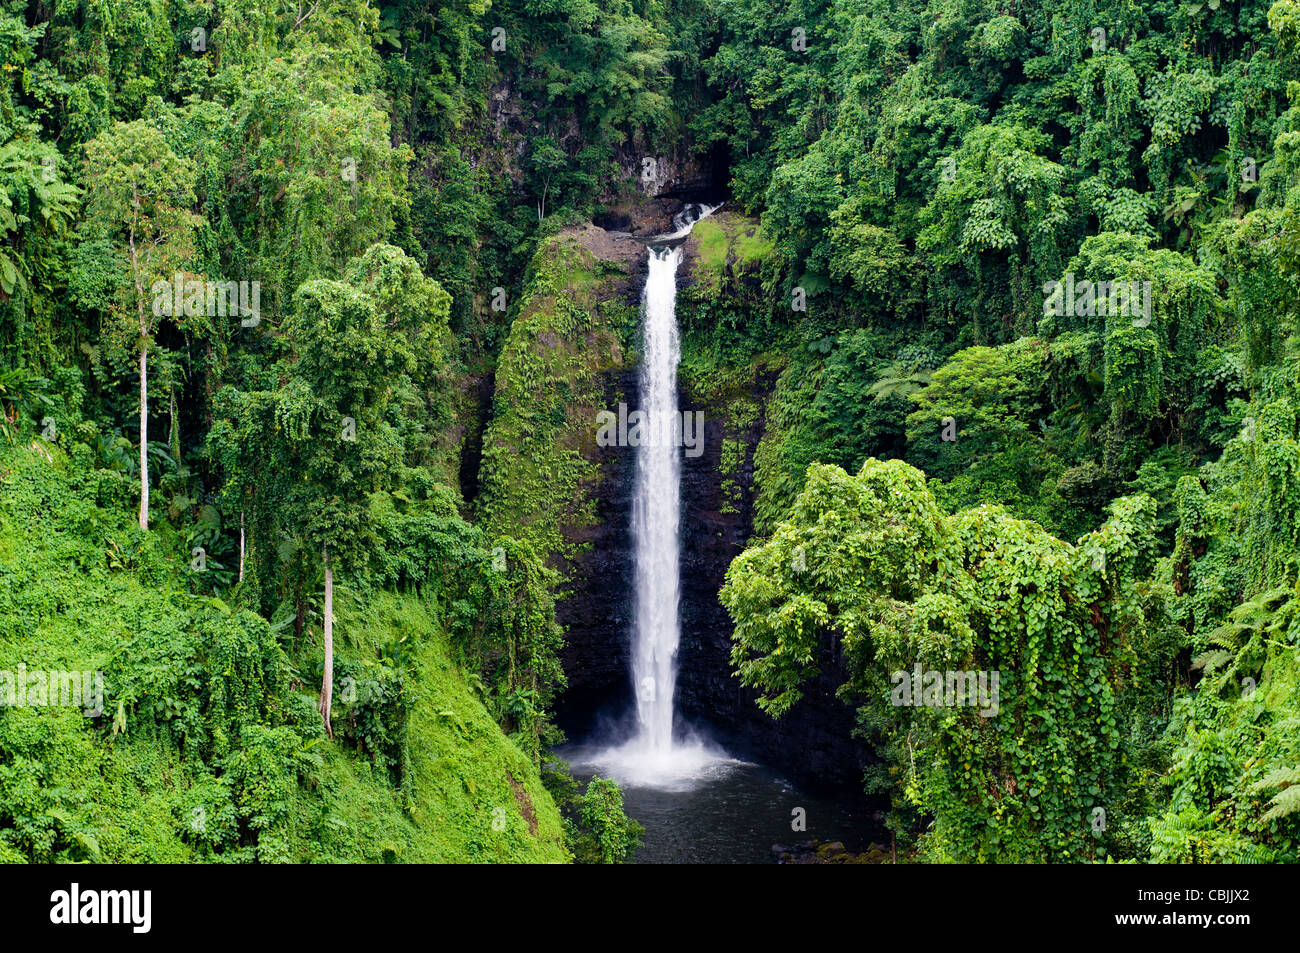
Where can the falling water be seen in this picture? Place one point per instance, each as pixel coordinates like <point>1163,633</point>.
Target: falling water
<point>654,757</point>
<point>655,511</point>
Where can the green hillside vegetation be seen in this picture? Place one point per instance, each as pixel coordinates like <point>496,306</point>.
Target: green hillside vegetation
<point>211,748</point>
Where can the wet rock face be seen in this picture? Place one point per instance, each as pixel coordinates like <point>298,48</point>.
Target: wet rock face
<point>677,173</point>
<point>598,612</point>
<point>812,742</point>
<point>642,218</point>
<point>677,180</point>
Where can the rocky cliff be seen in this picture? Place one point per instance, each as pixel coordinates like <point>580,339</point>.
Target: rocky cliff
<point>810,743</point>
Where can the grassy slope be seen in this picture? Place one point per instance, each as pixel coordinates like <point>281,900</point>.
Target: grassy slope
<point>78,584</point>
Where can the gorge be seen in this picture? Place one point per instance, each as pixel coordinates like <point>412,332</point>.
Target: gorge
<point>668,767</point>
<point>812,744</point>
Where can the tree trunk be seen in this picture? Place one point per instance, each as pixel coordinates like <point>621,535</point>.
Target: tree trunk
<point>144,436</point>
<point>241,545</point>
<point>144,367</point>
<point>327,680</point>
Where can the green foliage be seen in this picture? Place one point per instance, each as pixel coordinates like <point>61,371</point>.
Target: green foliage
<point>873,561</point>
<point>207,749</point>
<point>537,472</point>
<point>596,828</point>
<point>920,173</point>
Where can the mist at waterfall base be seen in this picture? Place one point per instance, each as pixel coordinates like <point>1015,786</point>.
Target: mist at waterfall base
<point>696,802</point>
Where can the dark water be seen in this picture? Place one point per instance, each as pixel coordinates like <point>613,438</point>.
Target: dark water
<point>735,814</point>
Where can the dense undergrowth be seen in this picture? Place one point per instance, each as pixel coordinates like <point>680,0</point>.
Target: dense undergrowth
<point>210,747</point>
<point>1103,505</point>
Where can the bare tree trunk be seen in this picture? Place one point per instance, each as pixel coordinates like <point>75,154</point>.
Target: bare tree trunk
<point>327,680</point>
<point>144,435</point>
<point>144,376</point>
<point>241,545</point>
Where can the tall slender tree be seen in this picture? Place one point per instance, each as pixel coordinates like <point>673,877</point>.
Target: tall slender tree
<point>138,198</point>
<point>335,439</point>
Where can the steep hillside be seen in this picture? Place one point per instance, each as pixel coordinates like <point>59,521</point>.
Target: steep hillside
<point>209,746</point>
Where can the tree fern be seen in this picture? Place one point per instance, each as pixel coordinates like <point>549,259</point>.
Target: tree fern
<point>1287,801</point>
<point>896,379</point>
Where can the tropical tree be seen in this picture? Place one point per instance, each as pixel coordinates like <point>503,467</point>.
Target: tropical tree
<point>871,562</point>
<point>138,193</point>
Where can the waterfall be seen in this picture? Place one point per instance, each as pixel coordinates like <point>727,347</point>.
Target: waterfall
<point>655,511</point>
<point>654,757</point>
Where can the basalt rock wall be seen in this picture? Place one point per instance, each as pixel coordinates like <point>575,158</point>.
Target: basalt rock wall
<point>812,743</point>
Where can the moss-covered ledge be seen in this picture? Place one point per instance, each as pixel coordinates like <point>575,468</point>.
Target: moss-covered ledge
<point>574,328</point>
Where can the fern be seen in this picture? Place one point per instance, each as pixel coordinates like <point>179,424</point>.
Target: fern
<point>1211,660</point>
<point>1284,803</point>
<point>897,380</point>
<point>1287,801</point>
